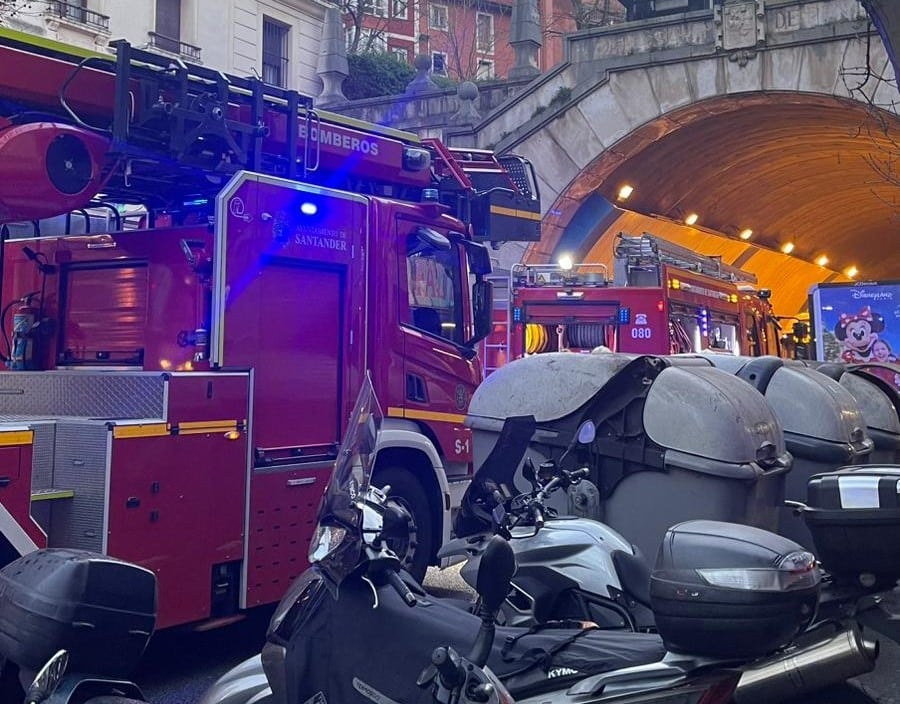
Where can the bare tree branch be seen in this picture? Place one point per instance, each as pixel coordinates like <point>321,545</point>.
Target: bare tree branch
<point>879,93</point>
<point>368,24</point>
<point>11,8</point>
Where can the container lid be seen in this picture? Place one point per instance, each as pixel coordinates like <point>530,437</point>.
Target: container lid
<point>548,386</point>
<point>877,408</point>
<point>710,413</point>
<point>811,404</point>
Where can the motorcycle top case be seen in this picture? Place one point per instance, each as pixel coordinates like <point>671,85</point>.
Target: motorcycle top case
<point>854,516</point>
<point>100,609</point>
<point>731,591</point>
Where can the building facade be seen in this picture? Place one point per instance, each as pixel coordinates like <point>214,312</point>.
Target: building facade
<point>466,39</point>
<point>277,40</point>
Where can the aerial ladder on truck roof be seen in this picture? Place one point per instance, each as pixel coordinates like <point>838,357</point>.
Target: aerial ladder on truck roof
<point>638,260</point>
<point>140,127</point>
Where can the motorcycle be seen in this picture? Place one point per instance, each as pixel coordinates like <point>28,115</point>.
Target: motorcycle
<point>570,567</point>
<point>354,627</point>
<point>74,623</point>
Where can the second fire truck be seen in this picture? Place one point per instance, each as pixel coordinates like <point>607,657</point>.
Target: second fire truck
<point>660,299</point>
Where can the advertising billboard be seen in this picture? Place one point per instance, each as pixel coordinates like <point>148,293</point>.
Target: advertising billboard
<point>857,323</point>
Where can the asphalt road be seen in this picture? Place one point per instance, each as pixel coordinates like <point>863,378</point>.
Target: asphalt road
<point>179,665</point>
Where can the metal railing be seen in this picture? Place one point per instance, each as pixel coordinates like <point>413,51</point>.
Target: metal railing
<point>80,14</point>
<point>174,46</point>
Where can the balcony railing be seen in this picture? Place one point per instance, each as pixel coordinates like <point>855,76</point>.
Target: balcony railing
<point>175,46</point>
<point>78,13</point>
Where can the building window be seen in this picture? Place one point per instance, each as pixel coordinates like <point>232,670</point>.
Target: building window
<point>72,10</point>
<point>438,17</point>
<point>485,70</point>
<point>168,26</point>
<point>378,8</point>
<point>76,11</point>
<point>439,63</point>
<point>401,54</point>
<point>275,52</point>
<point>400,9</point>
<point>167,35</point>
<point>372,40</point>
<point>484,32</point>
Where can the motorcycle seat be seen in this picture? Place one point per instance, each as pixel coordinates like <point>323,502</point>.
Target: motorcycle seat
<point>634,575</point>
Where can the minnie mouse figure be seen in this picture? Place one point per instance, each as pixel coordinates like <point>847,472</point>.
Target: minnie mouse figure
<point>858,334</point>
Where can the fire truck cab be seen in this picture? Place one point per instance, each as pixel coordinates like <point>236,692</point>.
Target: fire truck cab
<point>662,299</point>
<point>197,272</point>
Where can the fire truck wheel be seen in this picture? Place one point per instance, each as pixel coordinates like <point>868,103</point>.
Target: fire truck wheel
<point>415,552</point>
<point>113,699</point>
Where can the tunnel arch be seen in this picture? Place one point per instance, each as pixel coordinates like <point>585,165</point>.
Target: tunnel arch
<point>786,143</point>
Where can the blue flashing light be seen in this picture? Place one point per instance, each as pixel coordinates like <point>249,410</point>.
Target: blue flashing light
<point>517,315</point>
<point>308,208</point>
<point>195,202</point>
<point>624,316</point>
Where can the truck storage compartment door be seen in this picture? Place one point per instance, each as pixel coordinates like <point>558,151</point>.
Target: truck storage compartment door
<point>289,302</point>
<point>16,524</point>
<point>282,302</point>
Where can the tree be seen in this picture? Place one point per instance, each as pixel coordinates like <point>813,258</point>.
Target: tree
<point>467,33</point>
<point>375,74</point>
<point>569,15</point>
<point>367,24</point>
<point>879,93</point>
<point>11,8</point>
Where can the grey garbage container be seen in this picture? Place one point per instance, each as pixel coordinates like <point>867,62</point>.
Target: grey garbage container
<point>824,427</point>
<point>879,402</point>
<point>677,439</point>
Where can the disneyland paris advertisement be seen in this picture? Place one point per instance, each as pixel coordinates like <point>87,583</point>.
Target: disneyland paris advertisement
<point>859,323</point>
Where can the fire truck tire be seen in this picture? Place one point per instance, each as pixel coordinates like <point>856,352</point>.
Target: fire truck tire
<point>113,699</point>
<point>416,552</point>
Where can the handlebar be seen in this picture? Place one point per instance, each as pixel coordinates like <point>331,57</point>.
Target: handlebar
<point>394,580</point>
<point>537,515</point>
<point>532,505</point>
<point>449,669</point>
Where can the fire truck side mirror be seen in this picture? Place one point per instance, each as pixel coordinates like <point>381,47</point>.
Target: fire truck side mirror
<point>479,258</point>
<point>482,309</point>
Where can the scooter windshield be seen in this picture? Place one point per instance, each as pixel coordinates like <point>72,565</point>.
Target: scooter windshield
<point>496,473</point>
<point>336,545</point>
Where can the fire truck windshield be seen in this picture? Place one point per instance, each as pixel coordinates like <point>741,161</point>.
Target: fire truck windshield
<point>435,292</point>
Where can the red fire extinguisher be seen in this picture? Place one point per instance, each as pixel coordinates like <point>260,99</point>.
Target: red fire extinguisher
<point>24,319</point>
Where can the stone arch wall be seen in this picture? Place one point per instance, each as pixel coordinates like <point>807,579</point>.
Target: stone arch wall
<point>634,106</point>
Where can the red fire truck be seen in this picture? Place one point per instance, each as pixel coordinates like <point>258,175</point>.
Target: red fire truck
<point>179,377</point>
<point>662,299</point>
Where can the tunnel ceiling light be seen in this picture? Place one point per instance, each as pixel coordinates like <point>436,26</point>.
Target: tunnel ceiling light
<point>625,191</point>
<point>821,260</point>
<point>746,233</point>
<point>787,247</point>
<point>691,219</point>
<point>851,272</point>
<point>565,262</point>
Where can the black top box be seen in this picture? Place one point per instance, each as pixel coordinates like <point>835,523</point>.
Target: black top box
<point>100,609</point>
<point>854,516</point>
<point>728,590</point>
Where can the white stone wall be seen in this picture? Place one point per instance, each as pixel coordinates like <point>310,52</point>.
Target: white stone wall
<point>228,32</point>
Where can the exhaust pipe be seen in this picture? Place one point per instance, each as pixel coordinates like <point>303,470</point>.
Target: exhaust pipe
<point>807,668</point>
